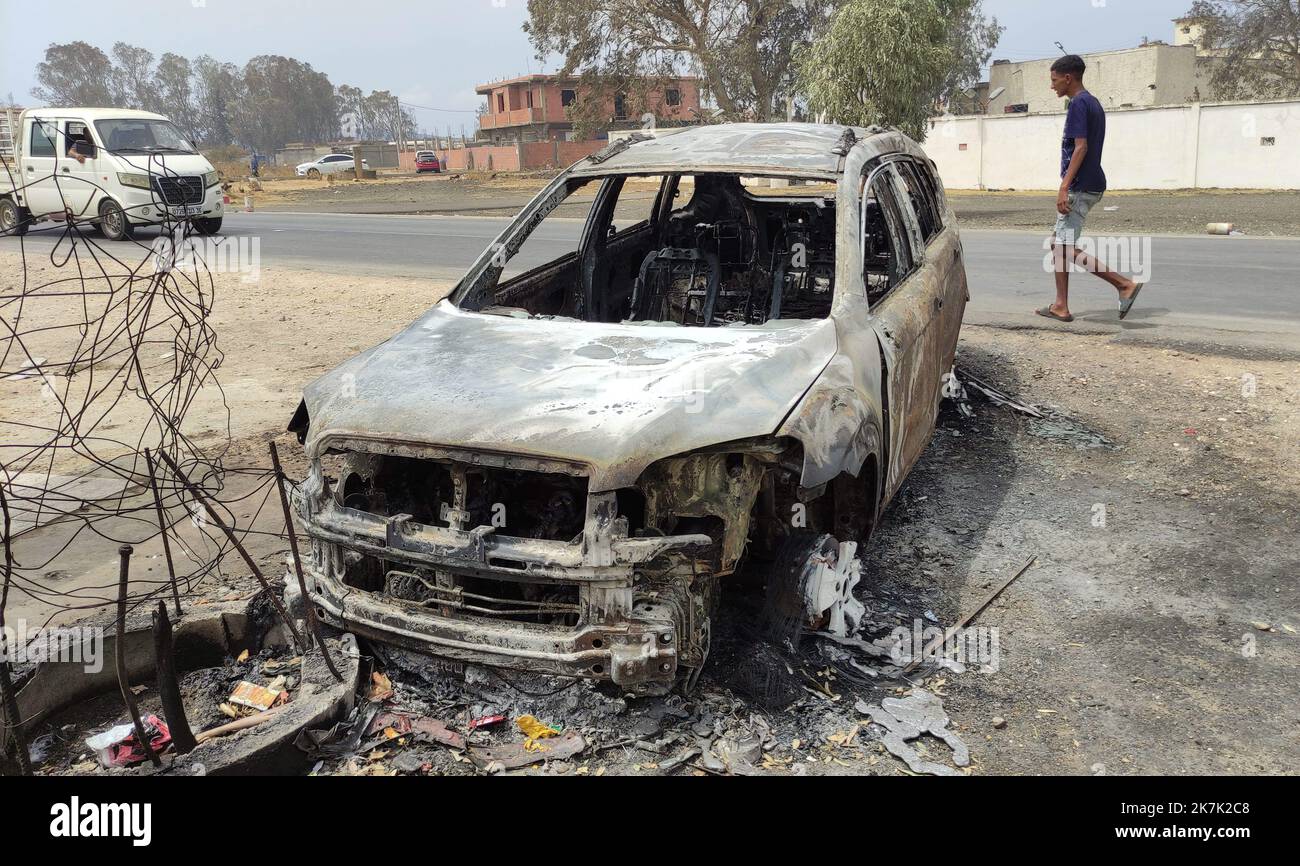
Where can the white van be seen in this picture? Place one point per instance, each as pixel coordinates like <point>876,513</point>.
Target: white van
<point>114,167</point>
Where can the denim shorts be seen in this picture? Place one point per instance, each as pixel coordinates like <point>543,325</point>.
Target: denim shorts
<point>1070,226</point>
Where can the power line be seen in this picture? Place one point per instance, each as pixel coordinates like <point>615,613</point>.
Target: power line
<point>431,108</point>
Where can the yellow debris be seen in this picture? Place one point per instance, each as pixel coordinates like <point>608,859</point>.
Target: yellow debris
<point>534,729</point>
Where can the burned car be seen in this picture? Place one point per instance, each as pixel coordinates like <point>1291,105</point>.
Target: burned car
<point>737,358</point>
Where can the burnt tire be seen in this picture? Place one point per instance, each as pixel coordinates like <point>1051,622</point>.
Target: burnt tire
<point>12,219</point>
<point>784,617</point>
<point>113,223</point>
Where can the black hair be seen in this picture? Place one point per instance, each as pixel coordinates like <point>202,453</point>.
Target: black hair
<point>1070,64</point>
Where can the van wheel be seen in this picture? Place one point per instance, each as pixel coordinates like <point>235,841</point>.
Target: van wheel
<point>313,173</point>
<point>113,222</point>
<point>208,225</point>
<point>11,218</point>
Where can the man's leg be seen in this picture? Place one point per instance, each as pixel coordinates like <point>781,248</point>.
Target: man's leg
<point>1062,255</point>
<point>1123,285</point>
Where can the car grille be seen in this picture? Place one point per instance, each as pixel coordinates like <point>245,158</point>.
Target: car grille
<point>185,189</point>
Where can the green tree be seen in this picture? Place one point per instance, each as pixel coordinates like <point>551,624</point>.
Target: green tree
<point>889,62</point>
<point>74,73</point>
<point>348,100</point>
<point>132,81</point>
<point>217,87</point>
<point>382,118</point>
<point>1253,46</point>
<point>175,93</point>
<point>742,50</point>
<point>281,100</point>
<point>973,40</point>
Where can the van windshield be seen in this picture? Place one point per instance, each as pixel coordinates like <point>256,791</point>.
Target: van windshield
<point>142,135</point>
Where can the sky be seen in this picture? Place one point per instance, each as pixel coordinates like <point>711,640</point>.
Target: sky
<point>432,53</point>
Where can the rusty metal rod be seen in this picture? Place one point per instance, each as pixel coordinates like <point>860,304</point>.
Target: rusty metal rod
<point>230,534</point>
<point>13,722</point>
<point>162,527</point>
<point>119,653</point>
<point>13,719</point>
<point>936,646</point>
<point>313,625</point>
<point>169,686</point>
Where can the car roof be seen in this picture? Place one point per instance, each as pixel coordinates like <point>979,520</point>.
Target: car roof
<point>94,114</point>
<point>802,149</point>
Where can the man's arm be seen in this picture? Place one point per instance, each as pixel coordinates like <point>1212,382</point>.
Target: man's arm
<point>1076,162</point>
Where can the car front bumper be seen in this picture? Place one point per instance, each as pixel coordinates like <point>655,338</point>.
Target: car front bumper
<point>618,636</point>
<point>143,207</point>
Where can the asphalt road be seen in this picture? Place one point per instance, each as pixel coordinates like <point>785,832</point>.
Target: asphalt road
<point>1210,291</point>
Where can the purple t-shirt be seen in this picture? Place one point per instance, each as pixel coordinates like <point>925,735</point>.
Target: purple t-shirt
<point>1085,118</point>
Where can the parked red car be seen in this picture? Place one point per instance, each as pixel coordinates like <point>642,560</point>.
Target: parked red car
<point>426,160</point>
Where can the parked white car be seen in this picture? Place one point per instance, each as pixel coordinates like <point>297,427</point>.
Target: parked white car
<point>328,164</point>
<point>112,167</point>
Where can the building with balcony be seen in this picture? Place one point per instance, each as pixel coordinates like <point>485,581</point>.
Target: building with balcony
<point>531,108</point>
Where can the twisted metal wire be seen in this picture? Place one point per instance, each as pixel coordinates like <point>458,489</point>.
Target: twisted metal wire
<point>138,318</point>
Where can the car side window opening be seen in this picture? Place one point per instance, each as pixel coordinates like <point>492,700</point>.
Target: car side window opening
<point>738,251</point>
<point>930,177</point>
<point>636,203</point>
<point>931,183</point>
<point>44,132</point>
<point>911,223</point>
<point>920,198</point>
<point>76,131</point>
<point>887,256</point>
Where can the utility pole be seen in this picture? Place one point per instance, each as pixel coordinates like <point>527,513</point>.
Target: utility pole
<point>401,129</point>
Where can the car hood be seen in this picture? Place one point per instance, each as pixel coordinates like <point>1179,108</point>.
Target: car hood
<point>165,163</point>
<point>613,397</point>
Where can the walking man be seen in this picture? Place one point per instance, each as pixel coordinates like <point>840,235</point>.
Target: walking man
<point>1082,185</point>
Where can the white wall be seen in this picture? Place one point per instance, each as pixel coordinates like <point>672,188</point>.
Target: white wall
<point>1200,145</point>
<point>1143,77</point>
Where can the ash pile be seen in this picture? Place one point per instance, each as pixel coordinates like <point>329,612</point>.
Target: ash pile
<point>785,692</point>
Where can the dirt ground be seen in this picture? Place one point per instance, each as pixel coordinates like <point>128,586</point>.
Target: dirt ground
<point>1162,640</point>
<point>1257,213</point>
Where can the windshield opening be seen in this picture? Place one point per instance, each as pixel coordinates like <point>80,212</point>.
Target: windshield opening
<point>701,250</point>
<point>141,135</point>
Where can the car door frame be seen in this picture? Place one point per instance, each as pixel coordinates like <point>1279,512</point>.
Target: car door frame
<point>79,181</point>
<point>903,322</point>
<point>599,247</point>
<point>944,249</point>
<point>40,187</point>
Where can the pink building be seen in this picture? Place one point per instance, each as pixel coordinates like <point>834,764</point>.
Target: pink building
<point>531,107</point>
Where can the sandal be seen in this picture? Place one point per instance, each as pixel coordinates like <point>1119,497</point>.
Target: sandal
<point>1126,304</point>
<point>1046,313</point>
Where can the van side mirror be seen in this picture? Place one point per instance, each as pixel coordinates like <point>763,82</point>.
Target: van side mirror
<point>84,148</point>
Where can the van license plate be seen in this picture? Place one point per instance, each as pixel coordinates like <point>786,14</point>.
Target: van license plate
<point>187,210</point>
